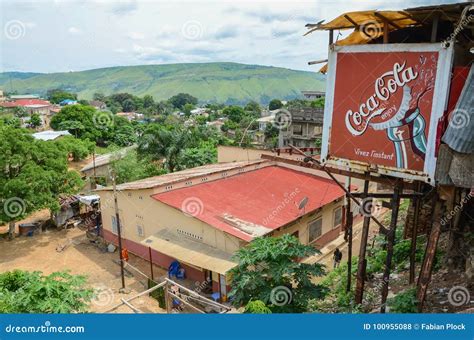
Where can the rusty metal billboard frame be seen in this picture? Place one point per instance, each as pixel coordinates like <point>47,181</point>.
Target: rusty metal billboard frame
<point>439,105</point>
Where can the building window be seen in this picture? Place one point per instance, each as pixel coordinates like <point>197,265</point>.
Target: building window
<point>315,229</point>
<point>114,225</point>
<point>297,129</point>
<point>140,231</point>
<point>337,217</point>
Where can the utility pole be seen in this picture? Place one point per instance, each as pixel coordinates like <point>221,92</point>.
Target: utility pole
<point>119,232</point>
<point>93,164</point>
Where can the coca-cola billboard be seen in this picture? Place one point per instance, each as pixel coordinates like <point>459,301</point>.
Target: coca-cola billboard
<point>383,103</point>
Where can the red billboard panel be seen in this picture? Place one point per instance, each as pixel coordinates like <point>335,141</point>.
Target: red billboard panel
<point>382,105</point>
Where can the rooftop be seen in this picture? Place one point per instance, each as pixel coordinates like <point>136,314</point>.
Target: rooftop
<point>107,158</point>
<point>26,102</point>
<point>253,203</point>
<point>178,176</point>
<point>50,134</point>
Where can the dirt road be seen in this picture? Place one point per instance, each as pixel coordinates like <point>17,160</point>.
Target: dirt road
<point>38,253</point>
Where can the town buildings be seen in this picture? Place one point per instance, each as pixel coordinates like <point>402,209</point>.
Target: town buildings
<point>305,129</point>
<point>202,216</point>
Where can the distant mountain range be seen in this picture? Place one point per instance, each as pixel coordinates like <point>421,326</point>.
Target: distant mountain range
<point>229,83</point>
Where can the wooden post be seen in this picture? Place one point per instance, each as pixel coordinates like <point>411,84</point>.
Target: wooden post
<point>414,235</point>
<point>151,264</point>
<point>167,297</point>
<point>426,268</point>
<point>434,27</point>
<point>331,37</point>
<point>119,232</point>
<point>359,292</point>
<point>385,32</point>
<point>390,243</point>
<point>349,220</point>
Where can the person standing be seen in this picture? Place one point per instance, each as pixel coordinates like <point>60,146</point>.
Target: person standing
<point>337,256</point>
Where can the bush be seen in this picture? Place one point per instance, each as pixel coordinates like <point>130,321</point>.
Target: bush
<point>404,302</point>
<point>257,307</point>
<point>32,292</point>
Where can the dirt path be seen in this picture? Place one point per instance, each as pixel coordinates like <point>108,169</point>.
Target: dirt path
<point>80,257</point>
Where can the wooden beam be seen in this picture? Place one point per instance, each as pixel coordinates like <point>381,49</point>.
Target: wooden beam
<point>348,18</point>
<point>385,19</point>
<point>359,291</point>
<point>349,224</point>
<point>312,165</point>
<point>383,195</point>
<point>390,244</point>
<point>414,235</point>
<point>385,32</point>
<point>315,62</point>
<point>434,27</point>
<point>331,37</point>
<point>428,260</point>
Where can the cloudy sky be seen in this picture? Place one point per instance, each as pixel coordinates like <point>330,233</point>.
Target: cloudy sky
<point>68,35</point>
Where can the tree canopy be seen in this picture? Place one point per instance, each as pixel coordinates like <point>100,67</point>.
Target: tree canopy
<point>181,99</point>
<point>275,104</point>
<point>56,96</point>
<point>269,270</point>
<point>33,292</point>
<point>33,175</point>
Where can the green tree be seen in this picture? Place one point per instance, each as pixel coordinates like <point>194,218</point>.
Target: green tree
<point>20,111</point>
<point>318,103</point>
<point>132,168</point>
<point>35,120</point>
<point>187,109</point>
<point>275,104</point>
<point>257,307</point>
<point>253,106</point>
<point>34,174</point>
<point>269,270</point>
<point>32,292</point>
<point>148,101</point>
<point>159,143</point>
<point>98,96</point>
<point>234,113</point>
<point>77,148</point>
<point>181,99</point>
<point>128,105</point>
<point>56,96</point>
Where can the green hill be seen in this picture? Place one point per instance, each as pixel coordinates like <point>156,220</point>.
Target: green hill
<point>229,83</point>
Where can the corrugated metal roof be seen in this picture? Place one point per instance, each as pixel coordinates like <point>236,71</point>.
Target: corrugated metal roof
<point>108,157</point>
<point>192,252</point>
<point>173,177</point>
<point>459,134</point>
<point>50,135</point>
<point>253,203</point>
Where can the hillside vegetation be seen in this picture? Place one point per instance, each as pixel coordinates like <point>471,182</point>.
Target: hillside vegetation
<point>228,83</point>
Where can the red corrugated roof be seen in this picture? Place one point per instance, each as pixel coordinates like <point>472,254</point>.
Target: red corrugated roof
<point>267,197</point>
<point>25,102</point>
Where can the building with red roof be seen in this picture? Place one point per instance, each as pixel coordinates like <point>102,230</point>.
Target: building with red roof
<point>202,216</point>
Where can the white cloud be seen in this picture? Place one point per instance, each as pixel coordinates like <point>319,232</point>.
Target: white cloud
<point>136,36</point>
<point>74,30</point>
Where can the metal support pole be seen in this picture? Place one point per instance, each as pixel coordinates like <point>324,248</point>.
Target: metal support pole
<point>359,292</point>
<point>119,232</point>
<point>414,235</point>
<point>151,264</point>
<point>390,244</point>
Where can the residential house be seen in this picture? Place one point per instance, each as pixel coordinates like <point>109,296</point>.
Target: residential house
<point>202,216</point>
<point>130,115</point>
<point>306,127</point>
<point>97,104</point>
<point>312,95</point>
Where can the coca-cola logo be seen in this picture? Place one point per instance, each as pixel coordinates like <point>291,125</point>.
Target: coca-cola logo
<point>384,88</point>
